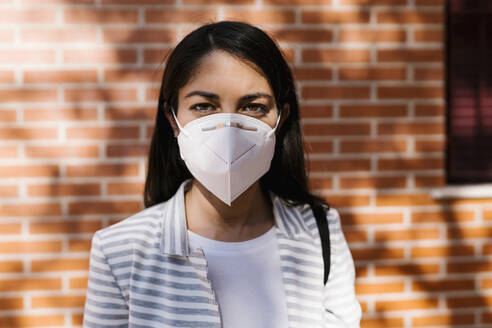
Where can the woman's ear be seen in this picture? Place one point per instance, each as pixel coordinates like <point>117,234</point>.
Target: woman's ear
<point>170,118</point>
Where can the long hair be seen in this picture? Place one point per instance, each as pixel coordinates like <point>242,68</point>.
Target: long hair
<point>287,176</point>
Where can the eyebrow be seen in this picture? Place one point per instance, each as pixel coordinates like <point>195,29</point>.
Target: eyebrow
<point>244,98</point>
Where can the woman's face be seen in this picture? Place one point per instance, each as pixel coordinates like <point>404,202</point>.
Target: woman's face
<point>225,84</point>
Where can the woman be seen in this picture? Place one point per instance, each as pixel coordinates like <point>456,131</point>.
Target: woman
<point>228,237</point>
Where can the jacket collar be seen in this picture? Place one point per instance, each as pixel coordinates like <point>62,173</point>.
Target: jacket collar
<point>174,236</point>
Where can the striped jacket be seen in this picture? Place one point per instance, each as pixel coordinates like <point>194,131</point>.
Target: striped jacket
<point>143,274</point>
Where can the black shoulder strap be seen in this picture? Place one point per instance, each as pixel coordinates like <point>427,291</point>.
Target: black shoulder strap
<point>322,222</point>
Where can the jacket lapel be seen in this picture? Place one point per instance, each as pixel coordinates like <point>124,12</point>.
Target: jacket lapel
<point>302,264</point>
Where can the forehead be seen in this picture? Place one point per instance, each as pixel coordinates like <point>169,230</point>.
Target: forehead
<point>223,71</point>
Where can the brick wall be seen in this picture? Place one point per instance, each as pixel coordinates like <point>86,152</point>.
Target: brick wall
<point>78,82</point>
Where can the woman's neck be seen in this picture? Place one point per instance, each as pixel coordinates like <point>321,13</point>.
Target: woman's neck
<point>249,215</point>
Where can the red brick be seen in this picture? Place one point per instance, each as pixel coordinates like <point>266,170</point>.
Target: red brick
<point>442,251</point>
<point>29,284</point>
<point>430,2</point>
<point>19,171</point>
<point>72,264</point>
<point>18,134</point>
<point>410,128</point>
<point>66,76</point>
<point>372,73</point>
<point>475,301</point>
<point>310,16</point>
<point>319,147</point>
<point>444,216</point>
<point>340,165</point>
<point>11,267</point>
<point>100,16</point>
<point>409,17</point>
<point>137,2</point>
<point>26,95</point>
<point>25,321</point>
<point>406,270</point>
<point>61,114</point>
<point>405,200</point>
<point>428,74</point>
<point>27,16</point>
<point>336,129</point>
<point>6,36</point>
<point>410,55</point>
<point>155,56</point>
<point>372,111</point>
<point>132,75</point>
<point>30,209</point>
<point>27,56</point>
<point>7,115</point>
<point>296,2</point>
<point>410,92</point>
<point>335,55</point>
<point>475,266</point>
<point>372,182</point>
<point>78,283</point>
<point>379,322</point>
<point>429,110</point>
<point>356,236</point>
<point>377,253</point>
<point>9,191</point>
<point>379,288</point>
<point>469,233</point>
<point>444,320</point>
<point>125,188</point>
<point>407,235</point>
<point>8,152</point>
<point>372,35</point>
<point>426,146</point>
<point>347,201</point>
<point>64,227</point>
<point>57,301</point>
<point>324,111</point>
<point>128,150</point>
<point>9,228</point>
<point>321,183</point>
<point>99,56</point>
<point>443,285</point>
<point>427,35</point>
<point>430,181</point>
<point>62,151</point>
<point>103,133</point>
<point>115,207</point>
<point>354,218</point>
<point>185,15</point>
<point>100,94</point>
<point>300,36</point>
<point>131,35</point>
<point>374,2</point>
<point>335,92</point>
<point>312,73</point>
<point>79,245</point>
<point>130,113</point>
<point>64,189</point>
<point>373,146</point>
<point>6,77</point>
<point>410,304</point>
<point>102,170</point>
<point>59,35</point>
<point>407,164</point>
<point>11,303</point>
<point>22,247</point>
<point>258,16</point>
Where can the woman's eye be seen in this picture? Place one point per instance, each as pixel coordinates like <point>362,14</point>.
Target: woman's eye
<point>255,108</point>
<point>202,108</point>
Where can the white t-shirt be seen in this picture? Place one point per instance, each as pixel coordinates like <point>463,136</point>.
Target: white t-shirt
<point>247,280</point>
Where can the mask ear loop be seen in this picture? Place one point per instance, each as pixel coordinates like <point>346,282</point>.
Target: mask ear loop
<point>179,125</point>
<point>276,125</point>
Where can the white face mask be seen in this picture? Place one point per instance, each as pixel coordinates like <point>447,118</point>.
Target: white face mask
<point>227,152</point>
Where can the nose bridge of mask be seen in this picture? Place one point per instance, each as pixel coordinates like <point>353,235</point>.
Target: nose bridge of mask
<point>229,152</point>
<point>269,133</point>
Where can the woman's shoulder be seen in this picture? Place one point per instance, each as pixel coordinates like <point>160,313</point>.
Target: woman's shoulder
<point>140,228</point>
